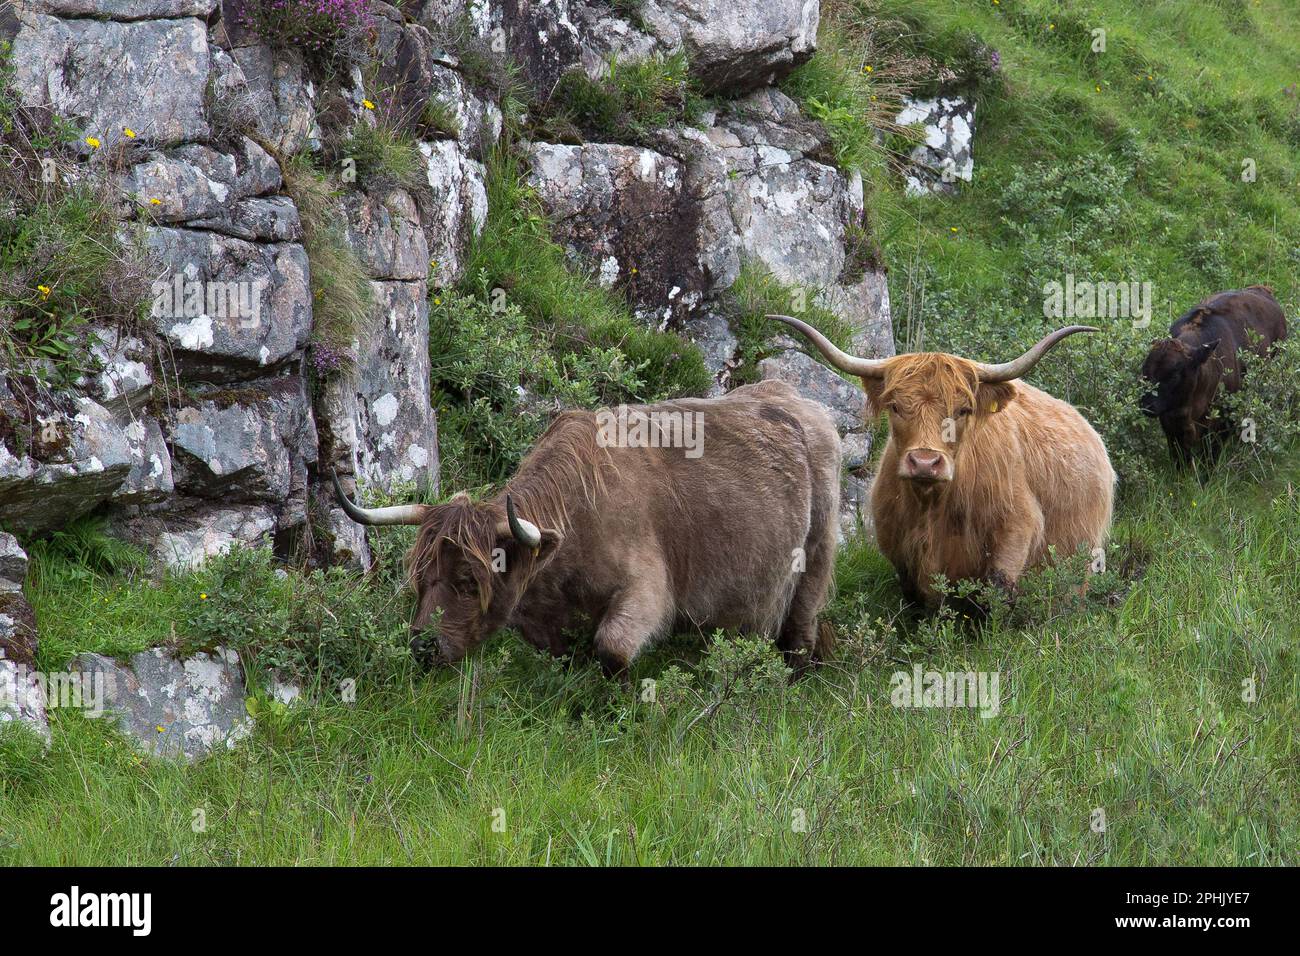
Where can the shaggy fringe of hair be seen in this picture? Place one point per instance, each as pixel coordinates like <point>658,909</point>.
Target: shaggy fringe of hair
<point>566,470</point>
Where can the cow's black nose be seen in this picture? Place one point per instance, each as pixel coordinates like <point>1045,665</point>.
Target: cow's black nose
<point>424,648</point>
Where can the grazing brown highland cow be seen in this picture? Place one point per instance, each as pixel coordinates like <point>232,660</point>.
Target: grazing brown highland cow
<point>738,533</point>
<point>983,474</point>
<point>1206,351</point>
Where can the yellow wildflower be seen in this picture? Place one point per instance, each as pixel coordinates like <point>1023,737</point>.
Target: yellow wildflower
<point>92,142</point>
<point>129,132</point>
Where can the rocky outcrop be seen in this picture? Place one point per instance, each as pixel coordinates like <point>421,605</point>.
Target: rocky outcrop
<point>205,425</point>
<point>730,47</point>
<point>944,156</point>
<point>672,225</point>
<point>170,707</point>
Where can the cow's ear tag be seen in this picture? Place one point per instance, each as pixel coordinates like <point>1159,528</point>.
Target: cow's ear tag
<point>537,551</point>
<point>993,407</point>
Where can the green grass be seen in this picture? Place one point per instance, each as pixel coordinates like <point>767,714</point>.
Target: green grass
<point>1131,704</point>
<point>340,288</point>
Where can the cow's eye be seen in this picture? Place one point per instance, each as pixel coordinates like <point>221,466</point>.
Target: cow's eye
<point>964,412</point>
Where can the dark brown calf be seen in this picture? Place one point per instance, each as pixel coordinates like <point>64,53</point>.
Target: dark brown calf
<point>1205,351</point>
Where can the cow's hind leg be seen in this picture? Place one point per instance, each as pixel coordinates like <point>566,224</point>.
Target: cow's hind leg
<point>798,639</point>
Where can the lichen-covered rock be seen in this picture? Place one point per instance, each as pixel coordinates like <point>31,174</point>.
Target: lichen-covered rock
<point>283,97</point>
<point>627,212</point>
<point>173,708</point>
<point>226,303</point>
<point>260,219</point>
<point>248,444</point>
<point>945,155</point>
<point>22,699</point>
<point>13,563</point>
<point>791,211</point>
<point>386,234</point>
<point>146,76</point>
<point>712,334</point>
<point>189,532</point>
<point>123,9</point>
<point>457,183</point>
<point>124,380</point>
<point>729,46</point>
<point>195,181</point>
<point>476,121</point>
<point>735,46</point>
<point>150,477</point>
<point>813,380</point>
<point>77,458</point>
<point>396,432</point>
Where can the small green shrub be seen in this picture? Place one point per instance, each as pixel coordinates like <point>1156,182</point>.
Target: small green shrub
<point>384,154</point>
<point>626,105</point>
<point>322,627</point>
<point>483,355</point>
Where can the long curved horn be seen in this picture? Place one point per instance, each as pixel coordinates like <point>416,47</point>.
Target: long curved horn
<point>397,514</point>
<point>1006,371</point>
<point>525,532</point>
<point>864,367</point>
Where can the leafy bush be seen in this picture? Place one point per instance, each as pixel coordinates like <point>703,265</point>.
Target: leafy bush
<point>322,627</point>
<point>1264,417</point>
<point>500,376</point>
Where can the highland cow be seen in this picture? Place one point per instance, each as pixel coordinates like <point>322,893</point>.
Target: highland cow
<point>619,527</point>
<point>983,475</point>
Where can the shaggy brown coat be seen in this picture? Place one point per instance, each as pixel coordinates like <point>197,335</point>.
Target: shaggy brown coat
<point>1205,354</point>
<point>1022,473</point>
<point>639,540</point>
